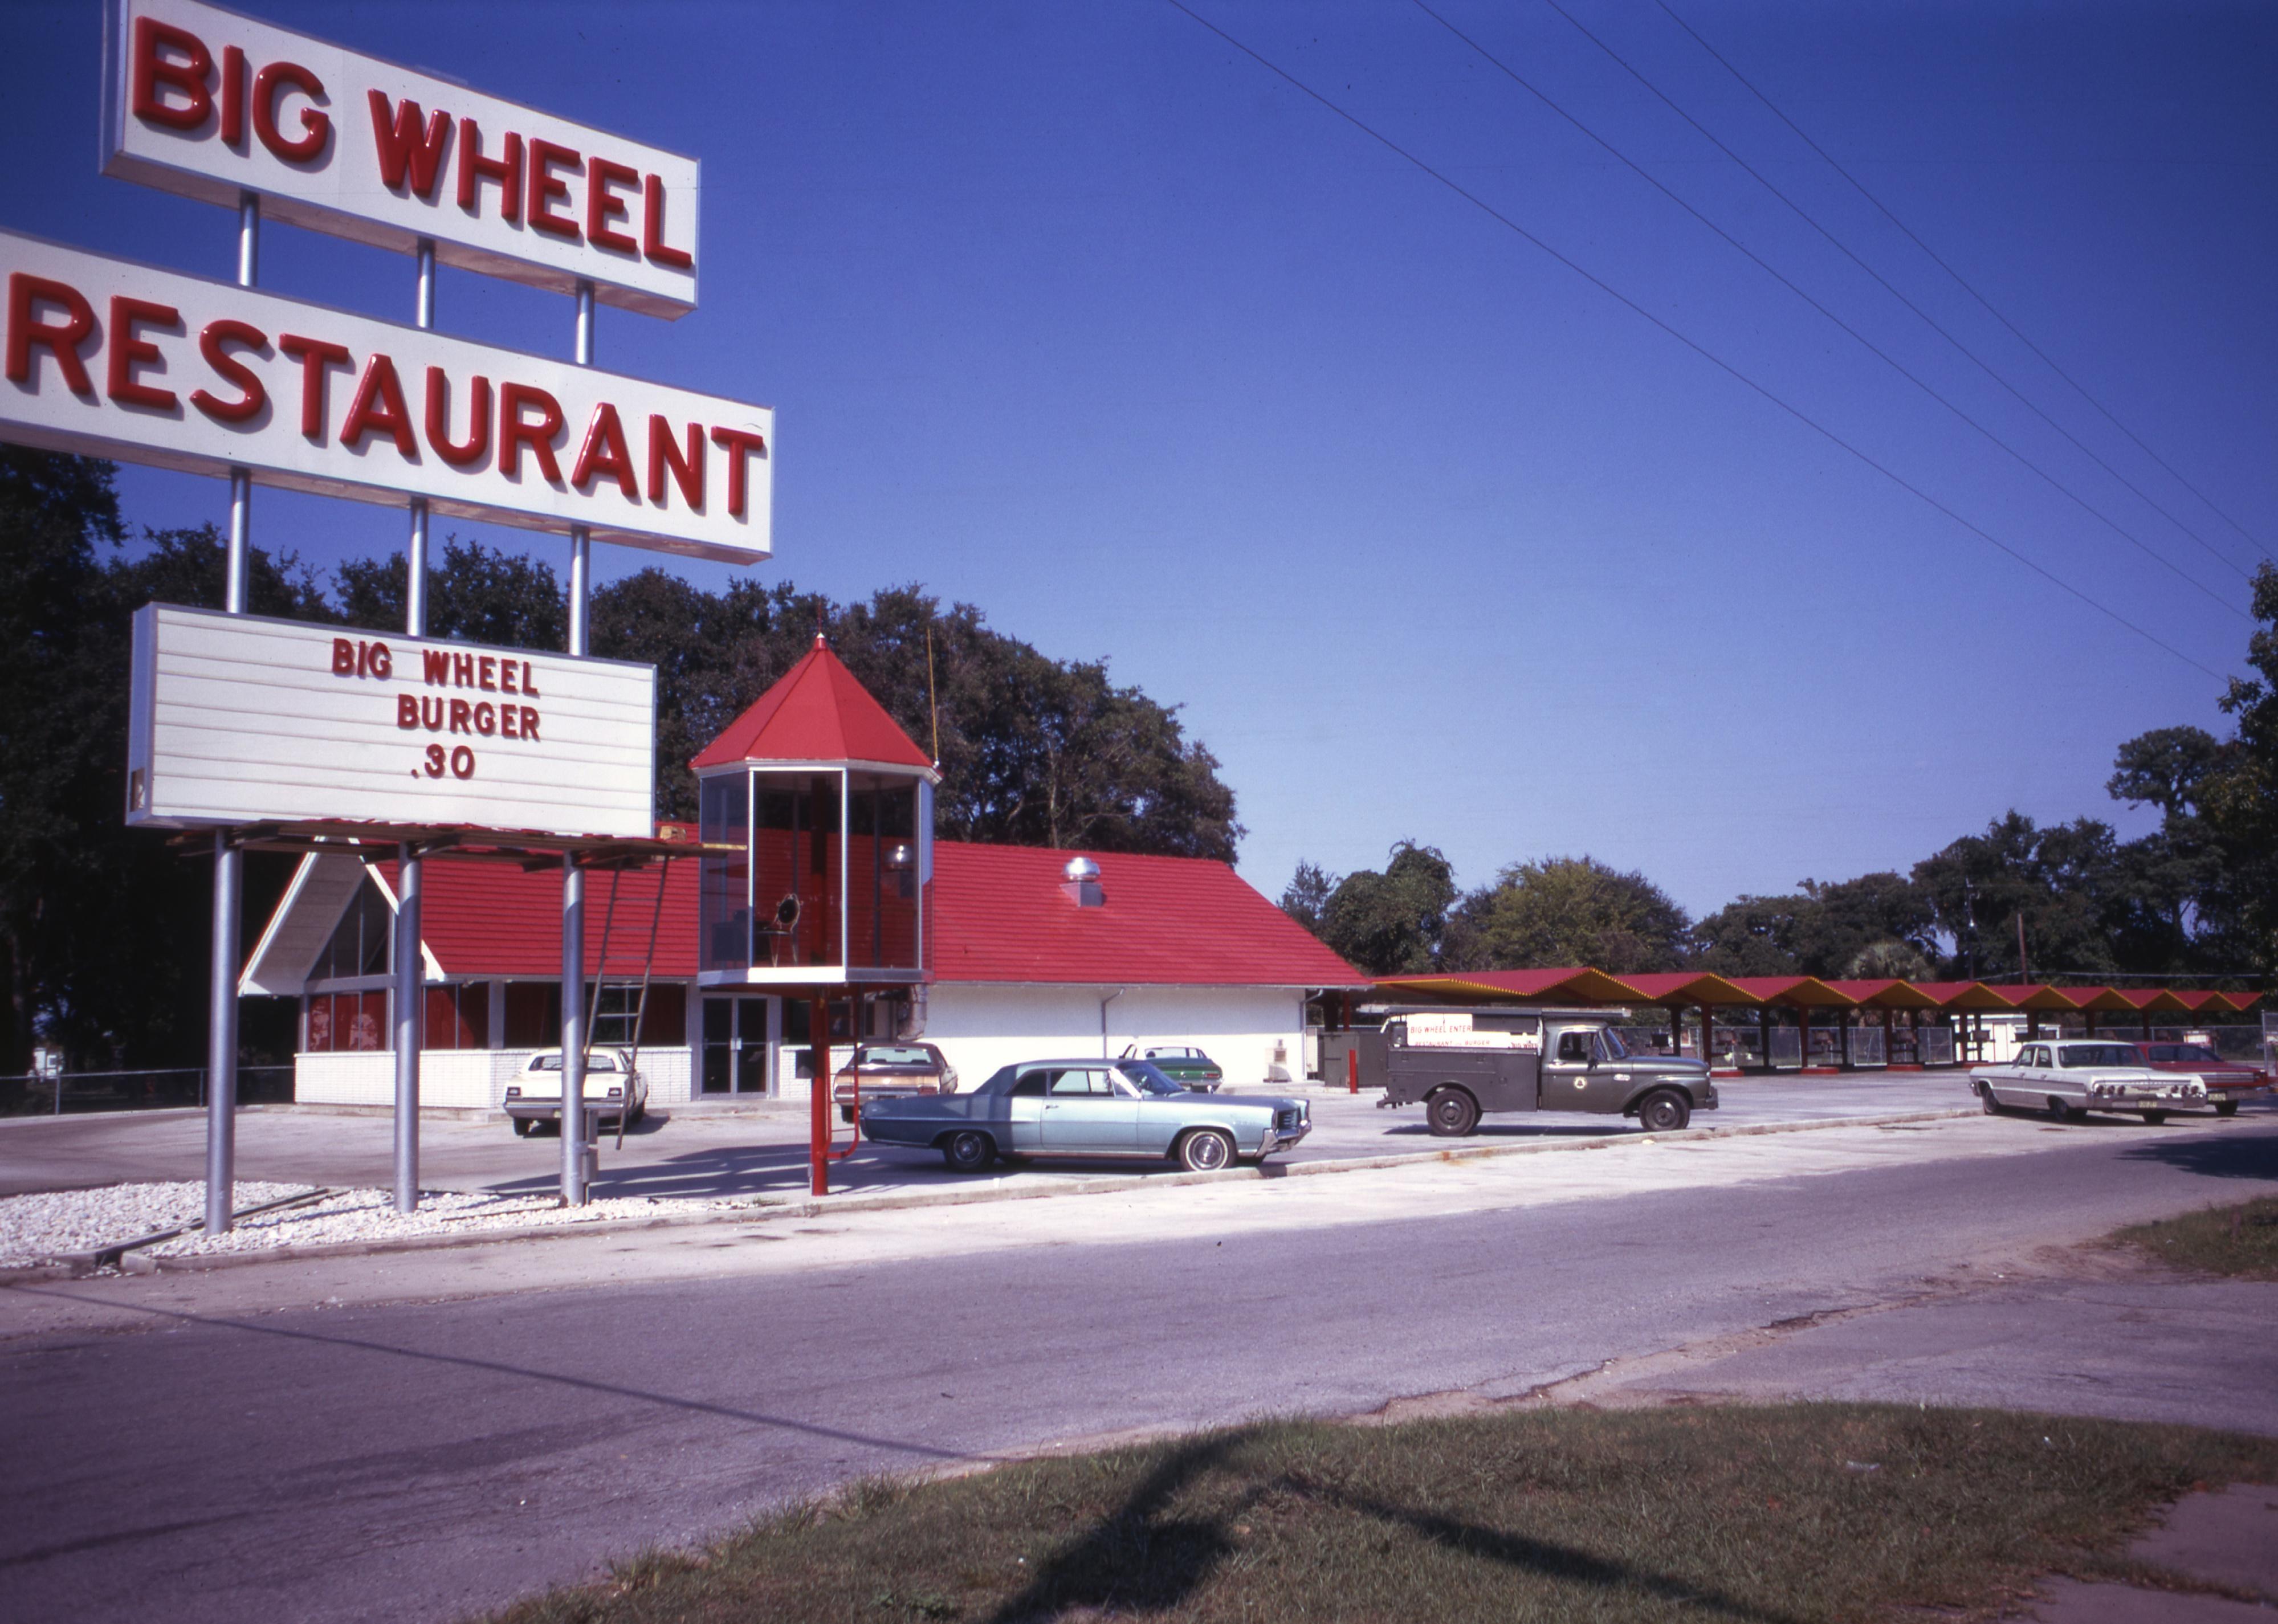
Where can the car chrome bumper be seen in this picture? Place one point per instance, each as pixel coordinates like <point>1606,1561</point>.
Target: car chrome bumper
<point>1281,1139</point>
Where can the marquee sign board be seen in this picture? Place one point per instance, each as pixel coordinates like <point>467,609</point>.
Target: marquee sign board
<point>206,103</point>
<point>237,718</point>
<point>117,358</point>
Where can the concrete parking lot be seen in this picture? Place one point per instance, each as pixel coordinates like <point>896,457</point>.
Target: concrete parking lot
<point>702,1153</point>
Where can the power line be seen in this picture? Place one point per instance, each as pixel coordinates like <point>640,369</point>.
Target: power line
<point>1722,365</point>
<point>1963,283</point>
<point>1869,345</point>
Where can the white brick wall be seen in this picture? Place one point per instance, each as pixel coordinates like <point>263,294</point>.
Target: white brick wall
<point>466,1078</point>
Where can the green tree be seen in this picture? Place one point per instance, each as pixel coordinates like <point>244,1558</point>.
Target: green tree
<point>1306,897</point>
<point>482,594</point>
<point>1754,935</point>
<point>2066,880</point>
<point>1577,911</point>
<point>2239,798</point>
<point>1394,922</point>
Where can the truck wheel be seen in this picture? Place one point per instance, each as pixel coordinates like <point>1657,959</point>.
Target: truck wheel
<point>2226,1107</point>
<point>1205,1150</point>
<point>1450,1113</point>
<point>1663,1111</point>
<point>2154,1118</point>
<point>968,1152</point>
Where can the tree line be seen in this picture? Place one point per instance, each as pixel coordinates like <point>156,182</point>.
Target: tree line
<point>103,930</point>
<point>2198,896</point>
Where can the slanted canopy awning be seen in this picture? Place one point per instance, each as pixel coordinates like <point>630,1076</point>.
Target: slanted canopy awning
<point>1577,986</point>
<point>1690,986</point>
<point>1885,994</point>
<point>1794,992</point>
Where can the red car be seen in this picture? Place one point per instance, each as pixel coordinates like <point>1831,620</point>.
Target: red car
<point>2228,1081</point>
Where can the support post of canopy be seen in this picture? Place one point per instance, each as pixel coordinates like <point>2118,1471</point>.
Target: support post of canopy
<point>818,1049</point>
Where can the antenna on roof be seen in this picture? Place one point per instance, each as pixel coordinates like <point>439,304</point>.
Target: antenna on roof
<point>933,700</point>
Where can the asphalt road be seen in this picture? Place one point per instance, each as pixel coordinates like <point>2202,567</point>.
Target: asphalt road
<point>690,1153</point>
<point>415,1460</point>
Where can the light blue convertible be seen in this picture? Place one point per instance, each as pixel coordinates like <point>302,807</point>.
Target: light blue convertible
<point>1089,1109</point>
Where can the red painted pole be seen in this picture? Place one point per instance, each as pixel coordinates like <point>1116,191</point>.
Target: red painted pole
<point>1352,1070</point>
<point>818,1049</point>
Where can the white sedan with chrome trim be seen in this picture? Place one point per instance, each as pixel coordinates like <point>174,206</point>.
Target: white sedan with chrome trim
<point>2069,1078</point>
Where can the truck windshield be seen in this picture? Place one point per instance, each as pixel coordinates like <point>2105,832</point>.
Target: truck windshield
<point>1610,1044</point>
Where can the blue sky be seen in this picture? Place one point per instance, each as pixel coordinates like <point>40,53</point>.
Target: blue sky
<point>1080,315</point>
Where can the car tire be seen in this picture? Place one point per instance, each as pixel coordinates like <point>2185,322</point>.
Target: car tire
<point>968,1150</point>
<point>523,1127</point>
<point>2154,1118</point>
<point>2059,1111</point>
<point>1205,1150</point>
<point>1664,1110</point>
<point>2226,1107</point>
<point>1450,1113</point>
<point>1986,1102</point>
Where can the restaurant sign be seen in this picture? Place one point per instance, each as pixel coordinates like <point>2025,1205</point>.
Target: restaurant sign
<point>202,102</point>
<point>239,719</point>
<point>117,358</point>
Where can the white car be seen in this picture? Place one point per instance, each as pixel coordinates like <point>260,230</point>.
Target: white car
<point>2071,1078</point>
<point>614,1088</point>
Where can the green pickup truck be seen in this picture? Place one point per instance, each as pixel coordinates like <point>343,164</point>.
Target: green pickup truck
<point>1189,1068</point>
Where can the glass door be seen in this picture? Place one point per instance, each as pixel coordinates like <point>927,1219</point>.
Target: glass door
<point>735,1046</point>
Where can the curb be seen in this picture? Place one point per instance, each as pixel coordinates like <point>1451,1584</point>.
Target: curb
<point>810,1208</point>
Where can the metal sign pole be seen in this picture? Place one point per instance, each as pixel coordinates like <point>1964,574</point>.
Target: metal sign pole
<point>574,1035</point>
<point>229,862</point>
<point>410,981</point>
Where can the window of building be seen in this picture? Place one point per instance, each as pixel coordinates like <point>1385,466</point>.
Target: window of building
<point>458,1016</point>
<point>360,940</point>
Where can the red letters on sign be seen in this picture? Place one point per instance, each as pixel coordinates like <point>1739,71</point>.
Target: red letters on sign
<point>232,97</point>
<point>60,341</point>
<point>378,408</point>
<point>605,452</point>
<point>687,466</point>
<point>545,190</point>
<point>652,227</point>
<point>314,356</point>
<point>268,85</point>
<point>472,451</point>
<point>407,711</point>
<point>129,349</point>
<point>343,657</point>
<point>474,169</point>
<point>251,396</point>
<point>409,156</point>
<point>515,434</point>
<point>736,443</point>
<point>151,73</point>
<point>602,205</point>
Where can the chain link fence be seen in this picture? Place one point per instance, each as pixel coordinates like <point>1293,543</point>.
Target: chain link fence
<point>76,1092</point>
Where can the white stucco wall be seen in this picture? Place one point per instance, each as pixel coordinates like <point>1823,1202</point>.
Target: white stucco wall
<point>462,1078</point>
<point>1247,1030</point>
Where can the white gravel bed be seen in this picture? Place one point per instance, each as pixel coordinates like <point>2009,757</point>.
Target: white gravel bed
<point>52,1223</point>
<point>370,1215</point>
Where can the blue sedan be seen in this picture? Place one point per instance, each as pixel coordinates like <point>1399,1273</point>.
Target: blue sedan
<point>1122,1109</point>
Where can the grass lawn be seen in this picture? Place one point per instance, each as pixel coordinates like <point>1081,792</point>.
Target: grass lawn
<point>2220,1240</point>
<point>1787,1512</point>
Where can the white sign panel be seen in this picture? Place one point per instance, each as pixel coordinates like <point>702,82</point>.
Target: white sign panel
<point>1436,1029</point>
<point>201,101</point>
<point>119,359</point>
<point>236,719</point>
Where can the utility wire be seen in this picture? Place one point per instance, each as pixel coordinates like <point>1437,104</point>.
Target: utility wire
<point>1722,365</point>
<point>1868,344</point>
<point>1963,283</point>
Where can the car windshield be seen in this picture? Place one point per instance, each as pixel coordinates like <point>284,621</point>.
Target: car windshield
<point>2077,1054</point>
<point>593,1063</point>
<point>1146,1078</point>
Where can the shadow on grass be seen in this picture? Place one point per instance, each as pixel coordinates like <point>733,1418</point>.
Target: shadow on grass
<point>1135,1560</point>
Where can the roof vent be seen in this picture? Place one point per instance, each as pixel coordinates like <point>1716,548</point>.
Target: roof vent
<point>1080,883</point>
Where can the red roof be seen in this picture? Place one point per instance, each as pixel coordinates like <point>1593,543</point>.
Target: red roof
<point>1580,985</point>
<point>816,713</point>
<point>998,915</point>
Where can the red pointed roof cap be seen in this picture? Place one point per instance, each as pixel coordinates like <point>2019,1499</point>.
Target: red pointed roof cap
<point>816,713</point>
